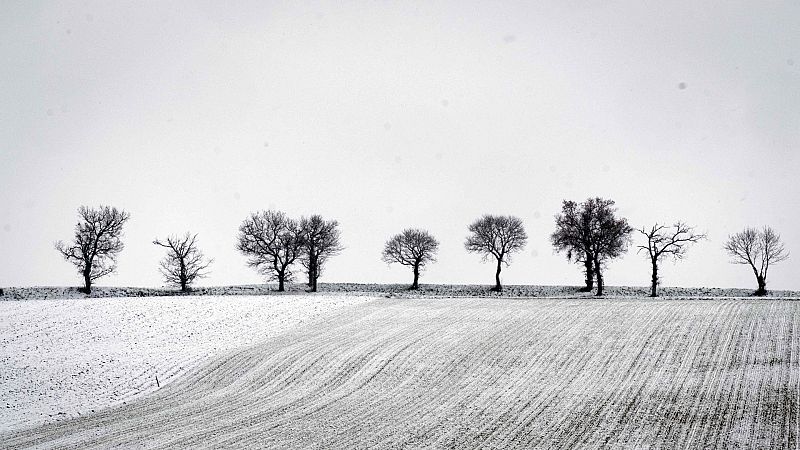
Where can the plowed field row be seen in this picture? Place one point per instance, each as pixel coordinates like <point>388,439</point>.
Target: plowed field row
<point>483,373</point>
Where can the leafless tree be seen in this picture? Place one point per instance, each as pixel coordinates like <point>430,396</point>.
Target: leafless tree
<point>97,242</point>
<point>272,242</point>
<point>759,249</point>
<point>184,262</point>
<point>412,247</point>
<point>573,235</point>
<point>590,233</point>
<point>320,239</point>
<point>609,236</point>
<point>498,237</point>
<point>663,240</point>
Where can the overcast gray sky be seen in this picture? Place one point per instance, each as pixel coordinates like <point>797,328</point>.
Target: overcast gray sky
<point>385,115</point>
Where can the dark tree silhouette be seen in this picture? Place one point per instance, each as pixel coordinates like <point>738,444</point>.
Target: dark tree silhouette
<point>590,234</point>
<point>184,262</point>
<point>272,242</point>
<point>497,237</point>
<point>412,247</point>
<point>573,236</point>
<point>98,241</point>
<point>320,239</point>
<point>759,249</point>
<point>609,237</point>
<point>663,240</point>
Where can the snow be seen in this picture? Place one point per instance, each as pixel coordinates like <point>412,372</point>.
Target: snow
<point>68,357</point>
<point>477,373</point>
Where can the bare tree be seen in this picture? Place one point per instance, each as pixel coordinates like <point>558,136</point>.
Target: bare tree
<point>320,241</point>
<point>498,237</point>
<point>184,262</point>
<point>97,242</point>
<point>573,236</point>
<point>272,242</point>
<point>609,235</point>
<point>663,240</point>
<point>306,264</point>
<point>759,249</point>
<point>591,234</point>
<point>412,247</point>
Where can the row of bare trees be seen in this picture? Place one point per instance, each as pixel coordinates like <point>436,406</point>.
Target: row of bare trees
<point>98,241</point>
<point>589,233</point>
<point>273,242</point>
<point>494,237</point>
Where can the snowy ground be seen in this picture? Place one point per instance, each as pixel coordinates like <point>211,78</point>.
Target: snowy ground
<point>429,290</point>
<point>458,373</point>
<point>68,357</point>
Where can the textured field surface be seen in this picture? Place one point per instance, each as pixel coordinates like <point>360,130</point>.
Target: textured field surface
<point>490,373</point>
<point>401,290</point>
<point>64,358</point>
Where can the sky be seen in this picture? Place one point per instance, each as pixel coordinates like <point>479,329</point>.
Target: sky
<point>388,115</point>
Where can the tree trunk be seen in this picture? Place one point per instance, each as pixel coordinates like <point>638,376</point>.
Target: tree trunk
<point>599,274</point>
<point>183,276</point>
<point>87,281</point>
<point>762,285</point>
<point>589,275</point>
<point>314,281</point>
<point>281,278</point>
<point>415,285</point>
<point>312,273</point>
<point>654,285</point>
<point>497,287</point>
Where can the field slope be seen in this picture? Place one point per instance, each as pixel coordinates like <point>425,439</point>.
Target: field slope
<point>495,373</point>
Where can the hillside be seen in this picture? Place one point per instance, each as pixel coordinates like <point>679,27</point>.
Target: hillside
<point>497,373</point>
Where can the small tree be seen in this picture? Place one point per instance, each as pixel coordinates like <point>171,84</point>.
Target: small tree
<point>184,262</point>
<point>320,240</point>
<point>498,237</point>
<point>573,235</point>
<point>759,249</point>
<point>272,242</point>
<point>412,247</point>
<point>663,240</point>
<point>97,242</point>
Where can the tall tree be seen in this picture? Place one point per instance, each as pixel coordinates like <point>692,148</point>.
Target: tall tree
<point>496,237</point>
<point>609,235</point>
<point>663,240</point>
<point>97,242</point>
<point>272,242</point>
<point>759,249</point>
<point>320,240</point>
<point>591,234</point>
<point>413,247</point>
<point>184,262</point>
<point>573,236</point>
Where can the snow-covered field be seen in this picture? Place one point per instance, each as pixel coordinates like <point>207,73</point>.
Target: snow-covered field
<point>69,357</point>
<point>420,373</point>
<point>429,290</point>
